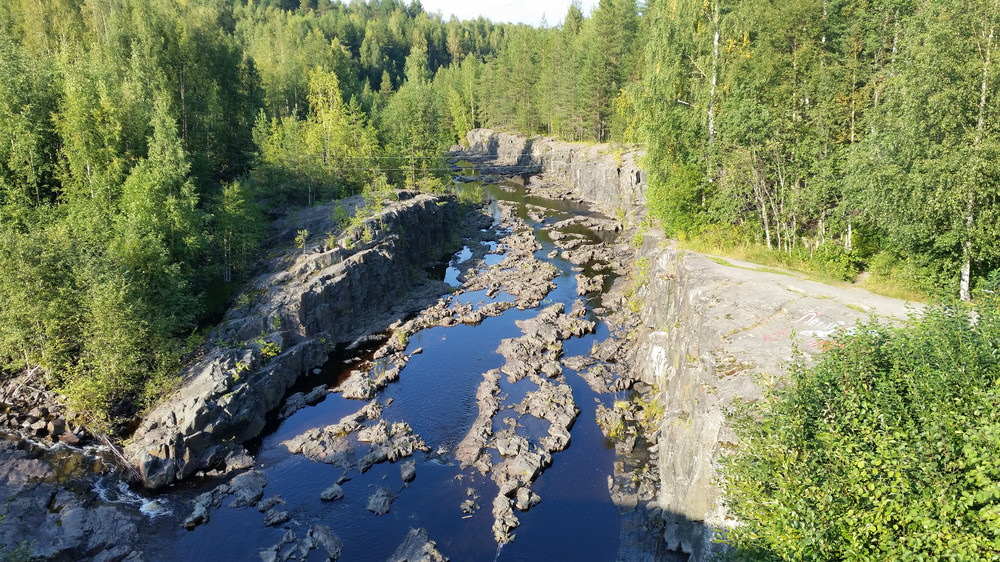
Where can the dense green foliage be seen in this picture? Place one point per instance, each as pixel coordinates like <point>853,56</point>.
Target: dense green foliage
<point>807,126</point>
<point>866,125</point>
<point>886,449</point>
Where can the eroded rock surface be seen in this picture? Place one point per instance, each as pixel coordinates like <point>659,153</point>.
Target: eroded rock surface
<point>43,515</point>
<point>304,302</point>
<point>417,547</point>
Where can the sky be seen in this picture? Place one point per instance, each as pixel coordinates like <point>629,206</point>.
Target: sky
<point>507,11</point>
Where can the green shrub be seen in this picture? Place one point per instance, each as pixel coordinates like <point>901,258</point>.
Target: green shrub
<point>884,450</point>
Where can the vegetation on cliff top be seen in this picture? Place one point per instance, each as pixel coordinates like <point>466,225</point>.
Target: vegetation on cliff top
<point>145,142</point>
<point>886,449</point>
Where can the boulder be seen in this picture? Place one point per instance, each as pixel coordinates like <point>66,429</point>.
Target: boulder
<point>381,500</point>
<point>417,547</point>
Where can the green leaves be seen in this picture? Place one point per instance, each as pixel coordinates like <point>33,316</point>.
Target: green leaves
<point>885,449</point>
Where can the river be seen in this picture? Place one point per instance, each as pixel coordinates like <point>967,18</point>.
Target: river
<point>436,395</point>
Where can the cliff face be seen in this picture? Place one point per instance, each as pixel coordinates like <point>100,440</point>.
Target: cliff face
<point>291,316</point>
<point>711,329</point>
<point>607,178</point>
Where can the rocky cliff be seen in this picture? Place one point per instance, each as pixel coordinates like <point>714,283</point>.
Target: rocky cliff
<point>711,329</point>
<point>603,175</point>
<point>306,301</point>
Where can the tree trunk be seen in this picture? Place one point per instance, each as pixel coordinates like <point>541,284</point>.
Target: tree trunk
<point>965,280</point>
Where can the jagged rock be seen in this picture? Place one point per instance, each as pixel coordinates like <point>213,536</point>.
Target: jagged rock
<point>504,520</point>
<point>275,517</point>
<point>324,445</point>
<point>417,547</point>
<point>292,548</point>
<point>526,499</point>
<point>380,501</point>
<point>247,488</point>
<point>578,362</point>
<point>334,492</point>
<point>398,442</point>
<point>408,471</point>
<point>323,536</point>
<point>318,298</point>
<point>358,386</point>
<point>238,459</point>
<point>268,503</point>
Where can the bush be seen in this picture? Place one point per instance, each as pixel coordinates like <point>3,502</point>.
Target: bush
<point>677,202</point>
<point>886,449</point>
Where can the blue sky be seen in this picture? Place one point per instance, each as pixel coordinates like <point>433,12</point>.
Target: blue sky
<point>512,11</point>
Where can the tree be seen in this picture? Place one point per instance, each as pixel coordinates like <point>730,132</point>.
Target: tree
<point>932,162</point>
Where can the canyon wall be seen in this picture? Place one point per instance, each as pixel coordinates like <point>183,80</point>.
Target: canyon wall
<point>606,176</point>
<point>714,330</point>
<point>711,329</point>
<point>285,323</point>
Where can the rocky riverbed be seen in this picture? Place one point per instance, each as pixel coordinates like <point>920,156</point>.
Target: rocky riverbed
<point>530,273</point>
<point>551,389</point>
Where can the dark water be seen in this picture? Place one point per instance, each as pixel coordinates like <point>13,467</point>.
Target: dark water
<point>436,396</point>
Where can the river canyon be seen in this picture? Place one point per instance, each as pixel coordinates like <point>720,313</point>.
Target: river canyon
<point>518,370</point>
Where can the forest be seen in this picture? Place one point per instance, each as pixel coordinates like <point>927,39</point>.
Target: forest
<point>145,145</point>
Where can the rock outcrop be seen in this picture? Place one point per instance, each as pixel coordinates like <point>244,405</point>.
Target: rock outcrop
<point>606,177</point>
<point>307,300</point>
<point>44,516</point>
<point>710,328</point>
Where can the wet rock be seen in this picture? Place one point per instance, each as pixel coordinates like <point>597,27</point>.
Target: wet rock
<point>322,536</point>
<point>292,548</point>
<point>417,547</point>
<point>324,445</point>
<point>334,492</point>
<point>526,499</point>
<point>469,506</point>
<point>300,400</point>
<point>275,516</point>
<point>408,471</point>
<point>199,513</point>
<point>381,500</point>
<point>268,503</point>
<point>247,488</point>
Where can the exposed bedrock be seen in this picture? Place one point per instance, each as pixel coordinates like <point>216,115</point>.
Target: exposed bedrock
<point>304,302</point>
<point>606,177</point>
<point>709,329</point>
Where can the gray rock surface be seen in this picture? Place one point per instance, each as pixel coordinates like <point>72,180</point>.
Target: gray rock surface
<point>417,547</point>
<point>381,500</point>
<point>41,518</point>
<point>591,173</point>
<point>709,329</point>
<point>290,547</point>
<point>304,302</point>
<point>334,492</point>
